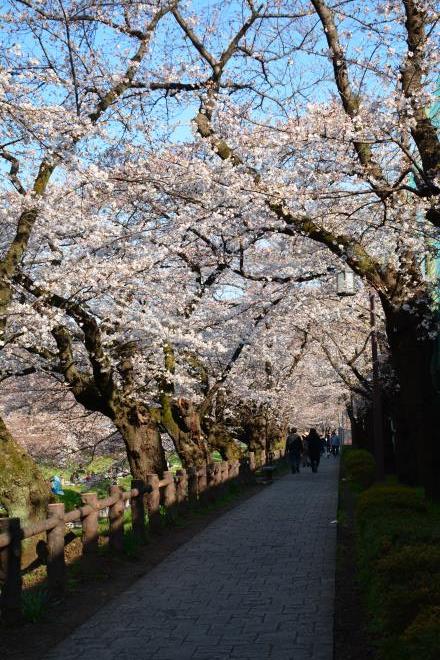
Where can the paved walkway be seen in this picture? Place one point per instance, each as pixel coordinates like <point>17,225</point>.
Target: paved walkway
<point>257,583</point>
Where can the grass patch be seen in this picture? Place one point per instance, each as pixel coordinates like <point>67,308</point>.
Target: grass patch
<point>34,603</point>
<point>71,499</point>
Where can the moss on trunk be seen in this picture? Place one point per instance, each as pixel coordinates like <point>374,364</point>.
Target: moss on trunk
<point>220,439</point>
<point>24,492</point>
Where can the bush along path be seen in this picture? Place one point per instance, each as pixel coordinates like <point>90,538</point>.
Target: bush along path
<point>257,583</point>
<point>398,562</point>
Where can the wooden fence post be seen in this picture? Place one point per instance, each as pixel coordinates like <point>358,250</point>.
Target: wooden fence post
<point>210,475</point>
<point>252,464</point>
<point>244,471</point>
<point>193,482</point>
<point>116,520</point>
<point>211,482</point>
<point>181,489</point>
<point>10,560</point>
<point>225,471</point>
<point>263,458</point>
<point>56,565</point>
<point>218,474</point>
<point>153,503</point>
<point>236,469</point>
<point>138,510</point>
<point>90,528</point>
<point>202,482</point>
<point>169,491</point>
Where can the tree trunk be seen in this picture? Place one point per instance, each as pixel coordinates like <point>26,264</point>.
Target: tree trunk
<point>360,437</point>
<point>276,436</point>
<point>418,421</point>
<point>219,439</point>
<point>181,421</point>
<point>191,453</point>
<point>24,492</point>
<point>142,441</point>
<point>254,434</point>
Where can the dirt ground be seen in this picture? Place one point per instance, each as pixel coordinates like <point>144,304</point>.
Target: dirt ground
<point>351,640</point>
<point>93,583</point>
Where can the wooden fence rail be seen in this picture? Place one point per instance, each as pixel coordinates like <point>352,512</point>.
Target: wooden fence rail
<point>173,492</point>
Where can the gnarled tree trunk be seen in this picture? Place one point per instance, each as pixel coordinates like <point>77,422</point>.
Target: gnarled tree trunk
<point>220,439</point>
<point>182,422</point>
<point>254,434</point>
<point>141,437</point>
<point>24,492</point>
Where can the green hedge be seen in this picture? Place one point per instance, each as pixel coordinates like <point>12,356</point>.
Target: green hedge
<point>382,500</point>
<point>398,547</point>
<point>422,637</point>
<point>358,467</point>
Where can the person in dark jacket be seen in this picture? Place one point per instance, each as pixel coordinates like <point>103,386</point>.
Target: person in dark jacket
<point>335,444</point>
<point>314,443</point>
<point>294,449</point>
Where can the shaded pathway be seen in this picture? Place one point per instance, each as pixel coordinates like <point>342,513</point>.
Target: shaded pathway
<point>257,583</point>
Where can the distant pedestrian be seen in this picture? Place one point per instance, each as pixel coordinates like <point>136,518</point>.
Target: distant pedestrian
<point>294,449</point>
<point>56,485</point>
<point>305,455</point>
<point>335,443</point>
<point>314,446</point>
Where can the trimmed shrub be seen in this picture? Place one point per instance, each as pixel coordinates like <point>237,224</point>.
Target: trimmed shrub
<point>404,564</point>
<point>404,582</point>
<point>359,467</point>
<point>385,531</point>
<point>422,637</point>
<point>381,500</point>
<point>399,570</point>
<point>402,603</point>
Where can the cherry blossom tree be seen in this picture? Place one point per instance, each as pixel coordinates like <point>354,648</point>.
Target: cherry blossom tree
<point>358,174</point>
<point>174,278</point>
<point>61,87</point>
<point>143,325</point>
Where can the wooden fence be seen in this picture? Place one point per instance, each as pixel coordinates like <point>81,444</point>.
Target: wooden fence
<point>173,492</point>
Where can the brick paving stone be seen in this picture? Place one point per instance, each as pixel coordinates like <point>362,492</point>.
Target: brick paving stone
<point>256,584</point>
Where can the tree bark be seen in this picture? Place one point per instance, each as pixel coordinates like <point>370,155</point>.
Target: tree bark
<point>254,433</point>
<point>220,440</point>
<point>142,441</point>
<point>24,491</point>
<point>182,422</point>
<point>418,421</point>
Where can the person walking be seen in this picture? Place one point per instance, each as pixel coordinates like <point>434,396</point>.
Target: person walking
<point>305,454</point>
<point>294,449</point>
<point>314,445</point>
<point>335,443</point>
